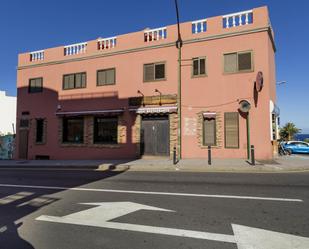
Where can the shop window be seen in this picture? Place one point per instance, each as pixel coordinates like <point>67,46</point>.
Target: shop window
<point>39,131</point>
<point>73,81</point>
<point>154,71</point>
<point>209,131</point>
<point>238,62</point>
<point>106,77</point>
<point>199,66</point>
<point>35,85</point>
<point>105,130</point>
<point>231,129</point>
<point>73,130</point>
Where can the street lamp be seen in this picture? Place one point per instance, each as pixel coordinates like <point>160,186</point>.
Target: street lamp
<point>178,46</point>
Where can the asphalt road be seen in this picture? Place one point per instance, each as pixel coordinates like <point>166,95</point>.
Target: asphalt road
<point>42,209</point>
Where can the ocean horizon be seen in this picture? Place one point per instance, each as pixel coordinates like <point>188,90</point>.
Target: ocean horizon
<point>301,137</point>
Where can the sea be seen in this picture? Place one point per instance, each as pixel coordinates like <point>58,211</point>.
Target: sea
<point>301,137</point>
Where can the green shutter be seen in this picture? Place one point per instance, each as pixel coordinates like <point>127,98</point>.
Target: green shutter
<point>231,129</point>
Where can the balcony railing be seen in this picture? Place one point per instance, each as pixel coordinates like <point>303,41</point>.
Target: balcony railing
<point>107,43</point>
<point>237,19</point>
<point>73,49</point>
<point>155,34</point>
<point>199,26</point>
<point>37,55</point>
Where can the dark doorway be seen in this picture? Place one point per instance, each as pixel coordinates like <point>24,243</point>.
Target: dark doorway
<point>155,137</point>
<point>23,144</point>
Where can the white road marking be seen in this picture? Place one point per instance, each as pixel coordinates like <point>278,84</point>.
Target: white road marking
<point>152,193</point>
<point>15,197</point>
<point>244,237</point>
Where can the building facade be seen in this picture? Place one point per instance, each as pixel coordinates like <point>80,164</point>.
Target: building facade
<point>7,114</point>
<point>117,97</point>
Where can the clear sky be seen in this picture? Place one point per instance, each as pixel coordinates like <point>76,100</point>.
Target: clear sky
<point>28,25</point>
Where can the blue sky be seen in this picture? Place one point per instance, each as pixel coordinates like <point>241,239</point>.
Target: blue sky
<point>38,24</point>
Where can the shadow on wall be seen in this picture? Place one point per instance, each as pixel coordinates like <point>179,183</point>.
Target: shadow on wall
<point>16,205</point>
<point>52,107</point>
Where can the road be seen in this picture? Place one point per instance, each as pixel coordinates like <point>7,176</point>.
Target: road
<point>76,209</point>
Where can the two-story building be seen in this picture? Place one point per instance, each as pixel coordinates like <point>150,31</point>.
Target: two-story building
<point>116,97</point>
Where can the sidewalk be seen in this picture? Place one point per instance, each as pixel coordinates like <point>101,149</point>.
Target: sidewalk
<point>281,164</point>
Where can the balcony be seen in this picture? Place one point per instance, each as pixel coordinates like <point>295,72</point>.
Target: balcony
<point>201,28</point>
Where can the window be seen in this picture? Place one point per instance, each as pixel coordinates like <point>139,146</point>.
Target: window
<point>199,66</point>
<point>209,131</point>
<point>105,130</point>
<point>73,130</point>
<point>106,77</point>
<point>39,130</point>
<point>238,62</point>
<point>154,71</point>
<point>72,81</point>
<point>35,85</point>
<point>231,130</point>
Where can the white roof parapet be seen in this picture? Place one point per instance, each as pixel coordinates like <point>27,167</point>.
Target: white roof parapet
<point>238,13</point>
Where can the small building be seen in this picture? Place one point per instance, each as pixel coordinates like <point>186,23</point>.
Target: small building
<point>118,97</point>
<point>7,113</point>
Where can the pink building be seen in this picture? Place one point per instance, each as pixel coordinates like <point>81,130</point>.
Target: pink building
<point>116,97</point>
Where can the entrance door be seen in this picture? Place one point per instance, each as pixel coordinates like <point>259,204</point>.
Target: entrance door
<point>23,144</point>
<point>155,136</point>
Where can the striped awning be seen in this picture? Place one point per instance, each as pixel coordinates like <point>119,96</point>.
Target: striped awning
<point>209,114</point>
<point>150,110</point>
<point>89,112</point>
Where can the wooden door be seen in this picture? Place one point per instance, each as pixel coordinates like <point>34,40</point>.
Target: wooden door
<point>23,144</point>
<point>155,136</point>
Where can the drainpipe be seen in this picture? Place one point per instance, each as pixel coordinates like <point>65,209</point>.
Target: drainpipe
<point>178,46</point>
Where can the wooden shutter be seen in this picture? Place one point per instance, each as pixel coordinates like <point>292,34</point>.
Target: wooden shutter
<point>230,63</point>
<point>149,72</point>
<point>244,61</point>
<point>209,131</point>
<point>231,129</point>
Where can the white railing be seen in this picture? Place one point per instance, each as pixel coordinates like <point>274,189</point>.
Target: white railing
<point>77,48</point>
<point>107,43</point>
<point>37,55</point>
<point>155,34</point>
<point>199,26</point>
<point>237,19</point>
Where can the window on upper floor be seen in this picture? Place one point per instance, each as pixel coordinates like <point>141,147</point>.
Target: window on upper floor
<point>154,71</point>
<point>199,66</point>
<point>238,62</point>
<point>106,77</point>
<point>74,81</point>
<point>35,85</point>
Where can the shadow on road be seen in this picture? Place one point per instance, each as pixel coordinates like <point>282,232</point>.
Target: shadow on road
<point>17,203</point>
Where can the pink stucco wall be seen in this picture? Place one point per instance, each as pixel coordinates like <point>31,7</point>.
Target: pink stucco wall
<point>217,92</point>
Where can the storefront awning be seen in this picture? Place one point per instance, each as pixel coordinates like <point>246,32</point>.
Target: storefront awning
<point>94,112</point>
<point>209,114</point>
<point>150,110</point>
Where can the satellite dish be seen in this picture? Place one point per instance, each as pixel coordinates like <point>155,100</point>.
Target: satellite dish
<point>259,81</point>
<point>244,106</point>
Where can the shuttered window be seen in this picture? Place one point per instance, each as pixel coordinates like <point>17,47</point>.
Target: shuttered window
<point>209,131</point>
<point>199,66</point>
<point>35,85</point>
<point>238,62</point>
<point>231,129</point>
<point>72,81</point>
<point>106,77</point>
<point>154,71</point>
<point>39,130</point>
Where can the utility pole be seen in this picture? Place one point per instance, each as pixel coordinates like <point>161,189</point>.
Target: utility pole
<point>178,46</point>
